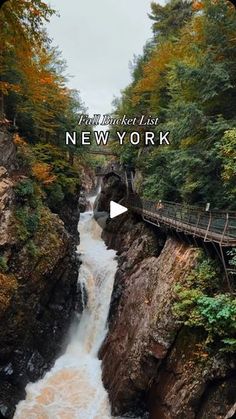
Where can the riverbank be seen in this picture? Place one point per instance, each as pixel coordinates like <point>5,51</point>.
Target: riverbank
<point>38,275</point>
<point>73,387</point>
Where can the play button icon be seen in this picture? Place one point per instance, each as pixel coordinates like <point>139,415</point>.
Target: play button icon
<point>116,209</point>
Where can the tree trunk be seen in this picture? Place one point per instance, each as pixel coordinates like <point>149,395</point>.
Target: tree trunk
<point>2,106</point>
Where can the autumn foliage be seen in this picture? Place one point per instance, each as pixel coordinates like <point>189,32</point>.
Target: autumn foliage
<point>33,92</point>
<point>186,76</point>
<point>43,173</point>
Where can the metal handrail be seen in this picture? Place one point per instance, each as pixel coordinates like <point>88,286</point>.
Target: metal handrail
<point>210,224</point>
<point>214,225</point>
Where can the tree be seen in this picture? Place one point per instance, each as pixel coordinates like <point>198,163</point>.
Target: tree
<point>170,18</point>
<point>188,81</point>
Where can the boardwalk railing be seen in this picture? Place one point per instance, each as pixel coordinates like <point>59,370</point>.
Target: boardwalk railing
<point>215,226</point>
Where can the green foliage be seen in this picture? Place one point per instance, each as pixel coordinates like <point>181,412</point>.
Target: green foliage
<point>3,264</point>
<point>24,189</point>
<point>232,254</point>
<point>171,17</point>
<point>205,276</point>
<point>218,314</point>
<point>229,345</point>
<point>32,249</point>
<point>66,181</point>
<point>27,222</point>
<point>26,192</point>
<point>200,304</point>
<point>27,213</point>
<point>187,79</point>
<point>55,195</point>
<point>227,151</point>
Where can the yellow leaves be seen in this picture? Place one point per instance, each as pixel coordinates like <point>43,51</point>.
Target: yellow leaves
<point>188,142</point>
<point>157,71</point>
<point>26,53</point>
<point>8,287</point>
<point>6,87</point>
<point>154,70</point>
<point>43,173</point>
<point>19,141</point>
<point>42,87</point>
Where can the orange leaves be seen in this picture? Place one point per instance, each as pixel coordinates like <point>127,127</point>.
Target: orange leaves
<point>28,59</point>
<point>36,12</point>
<point>155,68</point>
<point>43,173</point>
<point>47,79</point>
<point>197,5</point>
<point>154,71</point>
<point>157,71</point>
<point>42,87</point>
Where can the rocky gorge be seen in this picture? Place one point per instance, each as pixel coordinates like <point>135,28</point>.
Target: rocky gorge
<point>38,276</point>
<point>153,364</point>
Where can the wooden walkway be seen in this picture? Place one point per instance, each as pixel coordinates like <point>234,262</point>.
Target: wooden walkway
<point>211,226</point>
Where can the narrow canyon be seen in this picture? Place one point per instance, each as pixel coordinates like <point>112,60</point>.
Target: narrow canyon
<point>88,330</point>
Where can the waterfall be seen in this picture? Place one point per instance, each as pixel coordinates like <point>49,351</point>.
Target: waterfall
<point>73,388</point>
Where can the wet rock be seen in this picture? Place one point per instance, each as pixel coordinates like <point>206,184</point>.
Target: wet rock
<point>143,327</point>
<point>84,204</point>
<point>191,382</point>
<point>69,213</point>
<point>112,190</point>
<point>6,200</point>
<point>89,181</point>
<point>39,292</point>
<point>7,151</point>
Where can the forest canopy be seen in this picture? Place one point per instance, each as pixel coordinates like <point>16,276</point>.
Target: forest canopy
<point>186,76</point>
<point>33,92</point>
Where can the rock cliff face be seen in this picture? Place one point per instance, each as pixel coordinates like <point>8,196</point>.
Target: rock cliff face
<point>38,287</point>
<point>192,383</point>
<point>7,151</point>
<point>151,362</point>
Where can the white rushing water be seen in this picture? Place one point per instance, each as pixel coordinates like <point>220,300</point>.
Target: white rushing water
<point>73,388</point>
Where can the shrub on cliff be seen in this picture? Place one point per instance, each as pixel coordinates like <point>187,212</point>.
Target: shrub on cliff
<point>3,264</point>
<point>61,168</point>
<point>49,168</point>
<point>8,287</point>
<point>27,222</point>
<point>201,304</point>
<point>26,191</point>
<point>27,211</point>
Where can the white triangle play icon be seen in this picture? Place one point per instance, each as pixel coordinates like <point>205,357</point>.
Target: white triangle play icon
<point>116,209</point>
